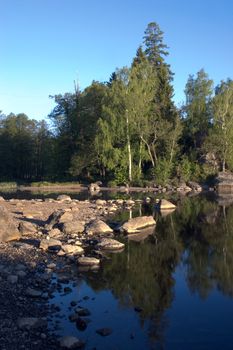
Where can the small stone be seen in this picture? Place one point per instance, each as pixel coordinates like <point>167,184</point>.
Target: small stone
<point>104,331</point>
<point>70,342</point>
<point>12,279</point>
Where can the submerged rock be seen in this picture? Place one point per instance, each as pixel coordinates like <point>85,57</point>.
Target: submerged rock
<point>8,230</point>
<point>135,224</point>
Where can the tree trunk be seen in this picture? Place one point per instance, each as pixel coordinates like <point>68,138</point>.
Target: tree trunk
<point>129,147</point>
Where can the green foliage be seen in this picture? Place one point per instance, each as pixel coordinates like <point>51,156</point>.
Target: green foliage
<point>162,171</point>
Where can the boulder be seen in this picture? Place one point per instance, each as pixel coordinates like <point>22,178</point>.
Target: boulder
<point>110,244</point>
<point>100,202</point>
<point>8,230</point>
<point>88,261</point>
<point>64,198</point>
<point>67,216</point>
<point>94,187</point>
<point>72,249</point>
<point>73,227</point>
<point>163,204</point>
<point>26,227</point>
<point>54,218</point>
<point>98,227</point>
<point>49,243</point>
<point>135,224</point>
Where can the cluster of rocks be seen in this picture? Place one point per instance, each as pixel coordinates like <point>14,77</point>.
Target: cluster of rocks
<point>49,232</point>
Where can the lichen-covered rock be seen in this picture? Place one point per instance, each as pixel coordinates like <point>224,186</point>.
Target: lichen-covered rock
<point>135,224</point>
<point>8,230</point>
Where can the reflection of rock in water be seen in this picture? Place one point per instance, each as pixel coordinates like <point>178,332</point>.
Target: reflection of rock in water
<point>225,200</point>
<point>166,212</point>
<point>142,235</point>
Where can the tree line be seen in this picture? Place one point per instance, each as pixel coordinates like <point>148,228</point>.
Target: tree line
<point>128,129</point>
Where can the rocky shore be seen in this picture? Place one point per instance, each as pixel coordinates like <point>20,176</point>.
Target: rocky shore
<point>55,237</point>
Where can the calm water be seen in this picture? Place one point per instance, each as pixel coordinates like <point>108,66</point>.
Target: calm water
<point>179,279</point>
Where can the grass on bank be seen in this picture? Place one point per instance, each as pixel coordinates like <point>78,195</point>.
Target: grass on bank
<point>53,184</point>
<point>8,185</point>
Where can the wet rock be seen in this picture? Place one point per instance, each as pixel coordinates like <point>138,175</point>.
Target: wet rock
<point>88,261</point>
<point>8,230</point>
<point>98,227</point>
<point>110,244</point>
<point>70,342</point>
<point>83,312</point>
<point>73,227</point>
<point>104,331</point>
<point>135,224</point>
<point>81,324</point>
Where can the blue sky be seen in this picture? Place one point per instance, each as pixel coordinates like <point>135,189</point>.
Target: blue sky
<point>47,44</point>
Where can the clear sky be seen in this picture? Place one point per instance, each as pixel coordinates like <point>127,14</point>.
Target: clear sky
<point>47,44</point>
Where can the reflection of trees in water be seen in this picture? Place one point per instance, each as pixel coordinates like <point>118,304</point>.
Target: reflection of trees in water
<point>208,240</point>
<point>200,234</point>
<point>141,276</point>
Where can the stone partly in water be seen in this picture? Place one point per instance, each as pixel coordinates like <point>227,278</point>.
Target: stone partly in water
<point>8,230</point>
<point>135,224</point>
<point>88,261</point>
<point>163,204</point>
<point>110,244</point>
<point>98,227</point>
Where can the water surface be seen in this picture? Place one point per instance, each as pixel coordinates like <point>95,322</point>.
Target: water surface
<point>172,290</point>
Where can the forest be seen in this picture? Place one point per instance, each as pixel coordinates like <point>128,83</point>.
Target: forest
<point>127,130</point>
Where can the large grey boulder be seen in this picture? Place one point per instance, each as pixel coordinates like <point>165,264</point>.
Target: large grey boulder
<point>70,342</point>
<point>98,227</point>
<point>8,230</point>
<point>135,224</point>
